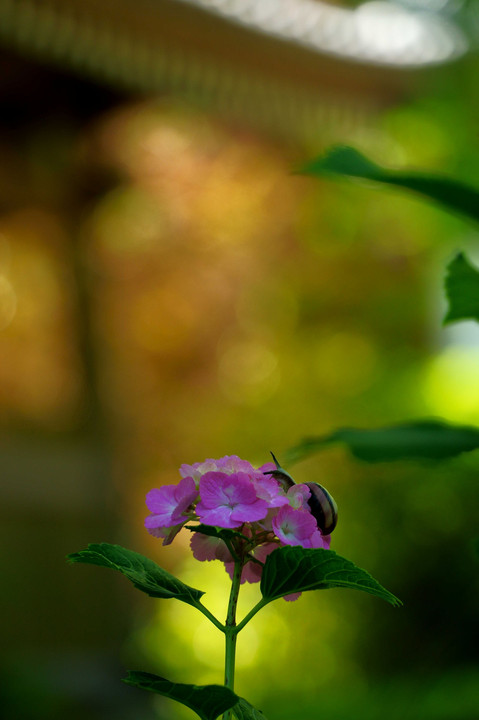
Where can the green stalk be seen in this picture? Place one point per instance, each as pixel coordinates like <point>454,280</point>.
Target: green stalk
<point>252,613</point>
<point>230,632</point>
<point>209,615</point>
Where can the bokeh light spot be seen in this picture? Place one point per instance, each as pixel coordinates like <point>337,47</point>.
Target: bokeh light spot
<point>248,372</point>
<point>451,384</point>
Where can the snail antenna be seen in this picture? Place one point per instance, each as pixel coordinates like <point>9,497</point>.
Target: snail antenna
<point>275,461</point>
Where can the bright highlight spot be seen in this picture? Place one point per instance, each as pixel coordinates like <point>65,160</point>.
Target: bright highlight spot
<point>248,372</point>
<point>386,33</point>
<point>451,384</point>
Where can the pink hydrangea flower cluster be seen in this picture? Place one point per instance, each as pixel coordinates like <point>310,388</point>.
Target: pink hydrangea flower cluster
<point>230,493</point>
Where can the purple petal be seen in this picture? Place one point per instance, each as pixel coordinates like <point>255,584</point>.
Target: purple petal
<point>250,512</point>
<point>298,496</point>
<point>218,488</point>
<point>234,464</point>
<point>294,527</point>
<point>211,488</point>
<point>218,516</point>
<point>317,540</point>
<point>185,494</point>
<point>162,499</point>
<point>267,467</point>
<point>269,489</point>
<point>205,547</point>
<point>160,520</point>
<point>167,533</point>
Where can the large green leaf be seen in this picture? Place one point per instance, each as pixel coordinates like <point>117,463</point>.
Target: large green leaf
<point>244,711</point>
<point>346,161</point>
<point>423,439</point>
<point>145,574</point>
<point>207,701</point>
<point>294,569</point>
<point>462,290</point>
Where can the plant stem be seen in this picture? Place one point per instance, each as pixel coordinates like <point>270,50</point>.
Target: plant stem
<point>251,614</point>
<point>230,632</point>
<point>209,615</point>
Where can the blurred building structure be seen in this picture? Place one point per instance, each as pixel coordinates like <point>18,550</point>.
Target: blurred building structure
<point>293,64</point>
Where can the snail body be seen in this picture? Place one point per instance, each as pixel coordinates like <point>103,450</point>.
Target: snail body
<point>321,503</point>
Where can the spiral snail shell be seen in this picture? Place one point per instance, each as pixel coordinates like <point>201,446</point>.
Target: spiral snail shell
<point>321,502</point>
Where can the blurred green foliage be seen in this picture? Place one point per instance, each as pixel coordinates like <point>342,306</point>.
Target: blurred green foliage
<point>449,192</point>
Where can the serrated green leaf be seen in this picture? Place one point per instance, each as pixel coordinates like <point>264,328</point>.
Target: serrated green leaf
<point>294,569</point>
<point>346,161</point>
<point>145,574</point>
<point>462,290</point>
<point>207,701</point>
<point>423,439</point>
<point>244,711</point>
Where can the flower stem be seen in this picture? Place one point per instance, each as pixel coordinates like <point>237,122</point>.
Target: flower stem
<point>230,632</point>
<point>209,615</point>
<point>251,614</point>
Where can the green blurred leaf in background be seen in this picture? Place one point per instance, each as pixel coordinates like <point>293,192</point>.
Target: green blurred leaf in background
<point>343,160</point>
<point>419,440</point>
<point>462,290</point>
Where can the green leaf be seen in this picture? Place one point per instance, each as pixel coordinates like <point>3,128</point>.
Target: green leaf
<point>294,569</point>
<point>224,534</point>
<point>452,194</point>
<point>207,701</point>
<point>462,290</point>
<point>145,574</point>
<point>244,711</point>
<point>423,439</point>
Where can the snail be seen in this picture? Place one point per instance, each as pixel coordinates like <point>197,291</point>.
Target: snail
<point>321,503</point>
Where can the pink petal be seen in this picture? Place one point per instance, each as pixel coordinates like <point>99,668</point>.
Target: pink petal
<point>205,547</point>
<point>267,467</point>
<point>252,571</point>
<point>161,500</point>
<point>234,464</point>
<point>217,516</point>
<point>218,489</point>
<point>298,497</point>
<point>269,489</point>
<point>212,486</point>
<point>158,521</point>
<point>167,533</point>
<point>250,512</point>
<point>294,527</point>
<point>185,494</point>
<point>169,502</point>
<point>198,469</point>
